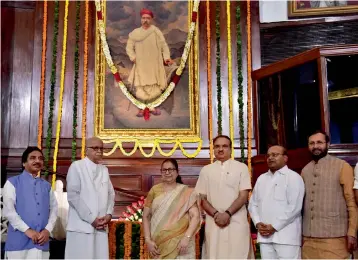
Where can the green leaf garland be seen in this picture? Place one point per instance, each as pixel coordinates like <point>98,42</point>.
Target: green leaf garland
<point>240,98</point>
<point>75,84</point>
<point>135,254</point>
<point>52,88</point>
<point>120,241</point>
<point>218,67</point>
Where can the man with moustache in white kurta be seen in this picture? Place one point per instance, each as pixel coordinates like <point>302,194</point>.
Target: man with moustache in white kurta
<point>224,188</point>
<point>90,196</point>
<point>275,208</point>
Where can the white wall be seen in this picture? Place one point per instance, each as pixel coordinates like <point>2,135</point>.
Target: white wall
<point>272,11</point>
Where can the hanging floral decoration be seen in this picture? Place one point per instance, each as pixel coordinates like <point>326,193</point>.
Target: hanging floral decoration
<point>154,144</point>
<point>229,57</point>
<point>249,101</point>
<point>43,77</point>
<point>174,81</point>
<point>218,68</point>
<point>134,212</point>
<point>75,83</point>
<point>62,87</point>
<point>240,98</point>
<point>85,81</point>
<point>52,87</point>
<point>126,240</point>
<point>210,94</point>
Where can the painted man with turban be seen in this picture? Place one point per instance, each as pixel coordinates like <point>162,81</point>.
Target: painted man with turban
<point>148,50</point>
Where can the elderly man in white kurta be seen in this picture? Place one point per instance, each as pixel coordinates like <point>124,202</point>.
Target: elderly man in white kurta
<point>223,187</point>
<point>90,196</point>
<point>275,208</point>
<point>148,50</point>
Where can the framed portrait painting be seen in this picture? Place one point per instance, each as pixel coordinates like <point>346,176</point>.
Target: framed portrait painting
<point>304,8</point>
<point>147,41</point>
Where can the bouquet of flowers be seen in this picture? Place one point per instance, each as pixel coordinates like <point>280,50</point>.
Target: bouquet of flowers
<point>134,212</point>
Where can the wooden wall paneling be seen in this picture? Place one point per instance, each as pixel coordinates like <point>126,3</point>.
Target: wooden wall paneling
<point>19,4</point>
<point>67,108</point>
<point>128,182</point>
<point>36,74</point>
<point>91,69</point>
<point>7,38</point>
<point>23,47</point>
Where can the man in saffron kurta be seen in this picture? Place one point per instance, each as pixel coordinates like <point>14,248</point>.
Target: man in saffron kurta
<point>90,196</point>
<point>330,211</point>
<point>223,187</point>
<point>31,208</point>
<point>148,50</point>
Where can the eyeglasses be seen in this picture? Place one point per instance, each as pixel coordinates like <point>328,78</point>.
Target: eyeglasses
<point>170,170</point>
<point>274,155</point>
<point>96,148</point>
<point>316,143</point>
<point>225,146</point>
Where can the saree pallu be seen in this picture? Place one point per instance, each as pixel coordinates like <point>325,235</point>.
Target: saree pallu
<point>170,220</point>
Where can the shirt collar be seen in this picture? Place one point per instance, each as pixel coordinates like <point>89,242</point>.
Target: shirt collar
<point>282,171</point>
<point>28,175</point>
<point>90,163</point>
<point>224,163</point>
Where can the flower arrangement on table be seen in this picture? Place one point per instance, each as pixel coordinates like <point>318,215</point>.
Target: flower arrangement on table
<point>134,212</point>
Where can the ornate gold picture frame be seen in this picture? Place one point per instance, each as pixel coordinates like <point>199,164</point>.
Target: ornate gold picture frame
<point>299,8</point>
<point>185,120</point>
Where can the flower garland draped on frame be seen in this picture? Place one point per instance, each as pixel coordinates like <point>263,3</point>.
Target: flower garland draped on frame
<point>114,70</point>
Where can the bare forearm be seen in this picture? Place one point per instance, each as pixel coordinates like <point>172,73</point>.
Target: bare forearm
<point>208,207</point>
<point>193,225</point>
<point>146,227</point>
<point>239,202</point>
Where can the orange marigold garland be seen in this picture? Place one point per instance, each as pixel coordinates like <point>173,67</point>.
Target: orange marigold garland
<point>127,240</point>
<point>249,116</point>
<point>85,81</point>
<point>43,75</point>
<point>141,241</point>
<point>112,239</point>
<point>210,117</point>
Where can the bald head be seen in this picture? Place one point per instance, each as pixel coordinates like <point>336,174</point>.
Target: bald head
<point>94,141</point>
<point>276,157</point>
<point>94,149</point>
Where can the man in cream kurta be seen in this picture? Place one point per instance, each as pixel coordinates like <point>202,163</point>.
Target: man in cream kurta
<point>90,196</point>
<point>275,208</point>
<point>223,187</point>
<point>148,50</point>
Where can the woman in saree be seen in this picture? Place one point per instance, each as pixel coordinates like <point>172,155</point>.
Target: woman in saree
<point>171,216</point>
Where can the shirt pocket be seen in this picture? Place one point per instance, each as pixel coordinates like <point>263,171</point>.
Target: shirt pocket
<point>279,192</point>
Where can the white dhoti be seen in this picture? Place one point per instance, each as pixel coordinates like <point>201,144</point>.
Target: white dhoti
<point>33,253</point>
<point>279,251</point>
<point>87,246</point>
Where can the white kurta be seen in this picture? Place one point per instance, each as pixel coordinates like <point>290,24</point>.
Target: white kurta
<point>277,200</point>
<point>9,211</point>
<point>90,195</point>
<point>221,183</point>
<point>149,50</point>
